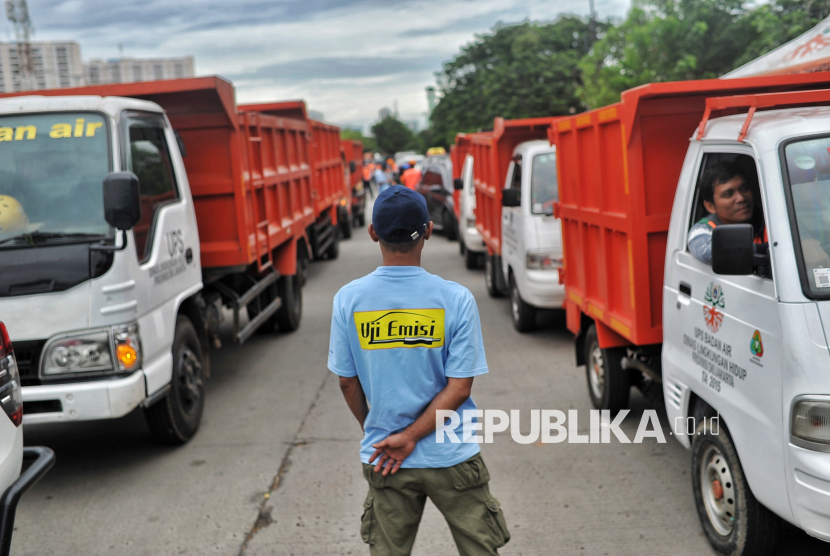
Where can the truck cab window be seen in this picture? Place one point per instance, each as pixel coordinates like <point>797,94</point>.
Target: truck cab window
<point>544,190</point>
<point>148,157</point>
<point>808,173</point>
<point>516,178</point>
<point>728,192</point>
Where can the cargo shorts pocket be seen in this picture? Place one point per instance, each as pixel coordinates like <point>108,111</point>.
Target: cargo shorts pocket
<point>469,474</point>
<point>498,525</point>
<point>367,520</point>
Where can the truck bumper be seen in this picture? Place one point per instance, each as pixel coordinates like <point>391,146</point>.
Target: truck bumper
<point>542,289</point>
<point>473,240</point>
<point>85,401</point>
<point>810,493</point>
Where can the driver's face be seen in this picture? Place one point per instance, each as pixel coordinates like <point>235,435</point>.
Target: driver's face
<point>733,201</point>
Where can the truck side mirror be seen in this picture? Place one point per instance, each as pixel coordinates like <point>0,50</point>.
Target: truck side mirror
<point>732,249</point>
<point>352,166</point>
<point>122,200</point>
<point>511,197</point>
<point>458,184</point>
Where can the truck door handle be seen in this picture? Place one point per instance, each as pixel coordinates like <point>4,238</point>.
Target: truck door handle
<point>685,289</point>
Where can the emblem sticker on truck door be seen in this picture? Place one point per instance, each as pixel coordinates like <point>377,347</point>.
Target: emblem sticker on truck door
<point>407,328</point>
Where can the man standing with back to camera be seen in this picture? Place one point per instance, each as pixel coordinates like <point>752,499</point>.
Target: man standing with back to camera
<point>406,344</point>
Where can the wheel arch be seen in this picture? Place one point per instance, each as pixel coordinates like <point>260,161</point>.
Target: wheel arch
<point>193,308</point>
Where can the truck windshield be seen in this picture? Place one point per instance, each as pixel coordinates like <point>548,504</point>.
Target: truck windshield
<point>543,188</point>
<point>808,168</point>
<point>52,168</point>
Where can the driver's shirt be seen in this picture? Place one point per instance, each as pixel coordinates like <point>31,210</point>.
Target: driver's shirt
<point>403,332</point>
<point>700,238</point>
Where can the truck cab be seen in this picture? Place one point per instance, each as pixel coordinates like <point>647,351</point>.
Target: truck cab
<point>95,314</point>
<point>531,235</point>
<point>748,336</point>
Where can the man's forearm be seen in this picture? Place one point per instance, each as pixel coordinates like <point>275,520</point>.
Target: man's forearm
<point>355,398</point>
<point>451,397</point>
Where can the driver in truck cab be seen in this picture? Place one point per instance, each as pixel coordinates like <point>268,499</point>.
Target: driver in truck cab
<point>728,198</point>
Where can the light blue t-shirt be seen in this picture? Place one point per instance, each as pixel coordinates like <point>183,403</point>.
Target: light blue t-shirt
<point>403,331</point>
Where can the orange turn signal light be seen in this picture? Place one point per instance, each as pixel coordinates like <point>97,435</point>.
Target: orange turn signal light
<point>127,355</point>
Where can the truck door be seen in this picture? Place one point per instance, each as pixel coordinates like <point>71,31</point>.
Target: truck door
<point>512,221</point>
<point>166,242</point>
<point>725,342</point>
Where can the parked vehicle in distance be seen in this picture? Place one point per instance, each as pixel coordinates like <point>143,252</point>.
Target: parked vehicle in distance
<point>13,484</point>
<point>117,291</point>
<point>514,173</point>
<point>471,243</point>
<point>353,163</point>
<point>406,157</point>
<point>436,186</point>
<point>739,342</point>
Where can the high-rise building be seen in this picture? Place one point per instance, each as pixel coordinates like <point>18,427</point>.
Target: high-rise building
<point>56,65</point>
<point>132,70</point>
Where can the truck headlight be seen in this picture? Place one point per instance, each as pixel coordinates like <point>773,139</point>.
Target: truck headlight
<point>100,351</point>
<point>544,261</point>
<point>811,421</point>
<point>84,353</point>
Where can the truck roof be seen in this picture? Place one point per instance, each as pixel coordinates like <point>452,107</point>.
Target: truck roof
<point>109,105</point>
<point>770,127</point>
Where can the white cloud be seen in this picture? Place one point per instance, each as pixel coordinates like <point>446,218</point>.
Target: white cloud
<point>346,58</point>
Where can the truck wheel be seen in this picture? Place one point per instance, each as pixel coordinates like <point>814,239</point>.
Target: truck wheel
<point>345,224</point>
<point>524,315</point>
<point>608,383</point>
<point>461,247</point>
<point>290,313</point>
<point>361,220</point>
<point>734,521</point>
<point>490,277</point>
<point>334,249</point>
<point>450,228</point>
<point>176,417</point>
<point>471,259</point>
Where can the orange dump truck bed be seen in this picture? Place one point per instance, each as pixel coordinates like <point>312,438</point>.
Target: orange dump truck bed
<point>328,180</point>
<point>249,173</point>
<point>353,152</point>
<point>618,171</point>
<point>492,153</point>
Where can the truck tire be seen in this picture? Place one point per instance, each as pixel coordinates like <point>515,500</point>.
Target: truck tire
<point>524,315</point>
<point>734,522</point>
<point>290,313</point>
<point>490,277</point>
<point>609,385</point>
<point>333,250</point>
<point>461,247</point>
<point>345,223</point>
<point>361,220</point>
<point>176,417</point>
<point>449,225</point>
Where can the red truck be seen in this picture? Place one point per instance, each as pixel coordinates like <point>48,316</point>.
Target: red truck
<point>153,205</point>
<point>729,332</point>
<point>514,170</point>
<point>332,195</point>
<point>352,150</point>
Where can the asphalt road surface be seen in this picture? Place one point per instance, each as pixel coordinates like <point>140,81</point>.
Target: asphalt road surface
<point>274,469</point>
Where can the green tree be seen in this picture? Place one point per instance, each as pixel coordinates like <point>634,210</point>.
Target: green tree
<point>519,71</point>
<point>667,40</point>
<point>781,21</point>
<point>393,136</point>
<point>369,143</point>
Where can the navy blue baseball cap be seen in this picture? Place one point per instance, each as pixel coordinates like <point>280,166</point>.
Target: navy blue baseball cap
<point>400,215</point>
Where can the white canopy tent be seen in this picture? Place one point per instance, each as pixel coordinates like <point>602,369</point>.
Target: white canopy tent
<point>806,54</point>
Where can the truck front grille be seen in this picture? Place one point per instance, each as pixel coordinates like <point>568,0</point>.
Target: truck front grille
<point>28,360</point>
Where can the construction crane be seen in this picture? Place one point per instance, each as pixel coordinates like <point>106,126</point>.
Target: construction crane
<point>18,13</point>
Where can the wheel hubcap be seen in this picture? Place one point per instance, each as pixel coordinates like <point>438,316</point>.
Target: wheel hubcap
<point>514,301</point>
<point>596,373</point>
<point>718,490</point>
<point>190,380</point>
<point>488,278</point>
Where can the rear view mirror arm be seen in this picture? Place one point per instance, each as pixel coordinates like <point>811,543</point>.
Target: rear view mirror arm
<point>111,248</point>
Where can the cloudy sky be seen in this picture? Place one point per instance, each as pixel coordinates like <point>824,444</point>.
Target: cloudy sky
<point>346,58</point>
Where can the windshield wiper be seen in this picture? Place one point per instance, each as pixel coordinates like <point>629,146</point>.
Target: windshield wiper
<point>32,237</point>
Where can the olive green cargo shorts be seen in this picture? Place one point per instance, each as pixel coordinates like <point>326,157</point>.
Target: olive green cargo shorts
<point>393,508</point>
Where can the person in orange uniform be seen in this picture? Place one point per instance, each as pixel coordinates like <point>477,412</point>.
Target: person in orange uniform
<point>412,176</point>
